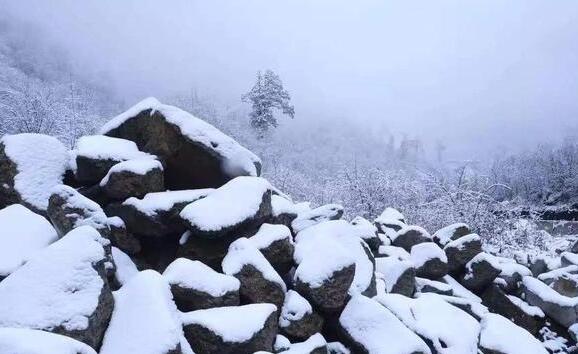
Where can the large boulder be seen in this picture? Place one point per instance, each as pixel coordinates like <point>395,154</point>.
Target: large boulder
<point>145,319</point>
<point>480,272</point>
<point>429,260</point>
<point>231,330</point>
<point>94,155</point>
<point>298,321</point>
<point>461,251</point>
<point>562,309</point>
<point>410,236</point>
<point>133,178</point>
<point>397,275</point>
<point>276,244</point>
<point>32,341</point>
<point>196,286</point>
<point>259,280</point>
<point>22,234</point>
<point>194,153</point>
<point>500,336</point>
<point>30,166</point>
<point>62,289</point>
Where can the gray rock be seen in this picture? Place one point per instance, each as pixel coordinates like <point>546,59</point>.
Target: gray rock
<point>480,272</point>
<point>461,251</point>
<point>130,179</point>
<point>298,320</point>
<point>410,236</point>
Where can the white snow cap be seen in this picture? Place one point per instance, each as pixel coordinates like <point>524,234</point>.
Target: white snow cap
<point>237,159</point>
<point>145,319</point>
<point>234,324</point>
<point>58,287</point>
<point>102,147</point>
<point>501,335</point>
<point>32,341</point>
<point>459,290</point>
<point>235,201</point>
<point>196,275</point>
<point>451,330</point>
<point>391,269</point>
<point>393,251</point>
<point>41,162</point>
<point>409,228</point>
<point>316,341</point>
<point>137,166</point>
<point>327,247</point>
<point>23,234</point>
<point>93,214</point>
<point>423,252</point>
<point>268,234</point>
<point>377,329</point>
<point>282,205</point>
<point>242,252</point>
<point>125,267</point>
<point>153,203</point>
<point>388,215</point>
<point>444,235</point>
<point>315,216</point>
<point>294,308</point>
<point>365,229</point>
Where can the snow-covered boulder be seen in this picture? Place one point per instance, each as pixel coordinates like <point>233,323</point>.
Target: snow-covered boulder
<point>370,328</point>
<point>568,258</point>
<point>315,216</point>
<point>196,286</point>
<point>429,260</point>
<point>259,280</point>
<point>367,232</point>
<point>564,280</point>
<point>409,236</point>
<point>423,285</point>
<point>500,336</point>
<point>511,273</point>
<point>560,308</point>
<point>284,211</point>
<point>392,251</point>
<point>231,330</point>
<point>469,306</point>
<point>397,274</point>
<point>145,320</point>
<point>337,348</point>
<point>389,214</point>
<point>298,321</point>
<point>450,233</point>
<point>276,244</point>
<point>133,178</point>
<point>195,154</point>
<point>240,205</point>
<point>32,341</point>
<point>445,328</point>
<point>156,214</point>
<point>459,290</point>
<point>315,344</point>
<point>94,155</point>
<point>30,166</point>
<point>62,289</point>
<point>125,267</point>
<point>461,251</point>
<point>480,272</point>
<point>22,234</point>
<point>529,317</point>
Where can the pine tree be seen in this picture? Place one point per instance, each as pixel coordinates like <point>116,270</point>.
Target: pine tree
<point>266,94</point>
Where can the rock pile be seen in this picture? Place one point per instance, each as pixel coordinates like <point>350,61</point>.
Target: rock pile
<point>159,237</point>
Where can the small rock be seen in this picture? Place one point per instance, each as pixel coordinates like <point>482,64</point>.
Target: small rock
<point>133,178</point>
<point>298,321</point>
<point>276,244</point>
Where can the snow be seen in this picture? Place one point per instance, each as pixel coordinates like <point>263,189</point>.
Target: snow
<point>501,335</point>
<point>242,252</point>
<point>23,234</point>
<point>459,244</point>
<point>125,268</point>
<point>420,283</point>
<point>92,213</point>
<point>548,294</point>
<point>408,228</point>
<point>393,251</point>
<point>391,269</point>
<point>481,257</point>
<point>476,308</point>
<point>327,247</point>
<point>31,341</point>
<point>552,275</point>
<point>444,235</point>
<point>423,252</point>
<point>364,228</point>
<point>282,205</point>
<point>314,342</point>
<point>234,202</point>
<point>237,159</point>
<point>388,215</point>
<point>569,258</point>
<point>336,347</point>
<point>41,163</point>
<point>101,147</point>
<point>451,330</point>
<point>459,290</point>
<point>234,324</point>
<point>145,320</point>
<point>508,267</point>
<point>137,166</point>
<point>153,203</point>
<point>315,216</point>
<point>377,329</point>
<point>195,275</point>
<point>281,343</point>
<point>58,287</point>
<point>268,234</point>
<point>294,308</point>
<point>526,307</point>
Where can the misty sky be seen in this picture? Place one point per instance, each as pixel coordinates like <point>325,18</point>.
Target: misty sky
<point>477,74</point>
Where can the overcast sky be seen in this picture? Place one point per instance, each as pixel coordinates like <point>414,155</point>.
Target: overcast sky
<point>477,74</point>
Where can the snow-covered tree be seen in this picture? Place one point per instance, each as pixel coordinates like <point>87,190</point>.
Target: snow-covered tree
<point>267,93</point>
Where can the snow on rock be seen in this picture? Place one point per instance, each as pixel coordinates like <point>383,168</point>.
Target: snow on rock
<point>409,236</point>
<point>297,320</point>
<point>125,267</point>
<point>196,286</point>
<point>197,155</point>
<point>367,232</point>
<point>31,341</point>
<point>568,258</point>
<point>136,166</point>
<point>243,200</point>
<point>461,251</point>
<point>259,280</point>
<point>459,290</point>
<point>429,260</point>
<point>145,320</point>
<point>432,286</point>
<point>133,178</point>
<point>23,233</point>
<point>276,244</point>
<point>480,272</point>
<point>471,307</point>
<point>389,214</point>
<point>315,216</point>
<point>371,328</point>
<point>448,329</point>
<point>392,251</point>
<point>268,234</point>
<point>31,165</point>
<point>337,348</point>
<point>560,308</point>
<point>397,274</point>
<point>313,345</point>
<point>284,211</point>
<point>61,289</point>
<point>450,233</point>
<point>153,204</point>
<point>502,336</point>
<point>233,329</point>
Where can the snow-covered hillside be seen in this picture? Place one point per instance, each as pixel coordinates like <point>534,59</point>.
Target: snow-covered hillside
<point>160,237</point>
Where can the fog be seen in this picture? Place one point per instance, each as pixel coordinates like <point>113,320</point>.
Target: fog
<point>482,76</point>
